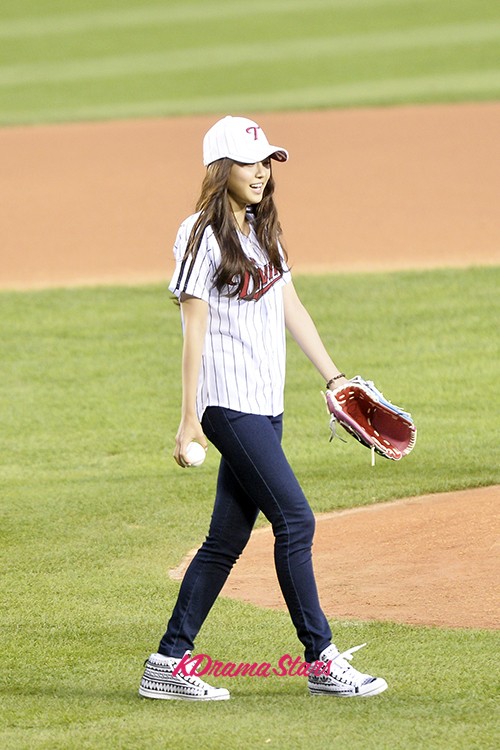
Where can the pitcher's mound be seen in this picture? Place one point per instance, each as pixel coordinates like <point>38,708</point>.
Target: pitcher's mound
<point>430,560</point>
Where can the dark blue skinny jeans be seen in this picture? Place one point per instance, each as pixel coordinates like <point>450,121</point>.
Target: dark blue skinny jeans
<point>254,475</point>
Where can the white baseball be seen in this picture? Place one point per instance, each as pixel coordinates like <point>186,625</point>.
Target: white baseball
<point>195,454</point>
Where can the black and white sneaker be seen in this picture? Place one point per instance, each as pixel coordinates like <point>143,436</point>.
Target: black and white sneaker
<point>340,679</point>
<point>160,682</point>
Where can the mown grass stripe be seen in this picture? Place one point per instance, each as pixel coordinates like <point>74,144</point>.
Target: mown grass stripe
<point>484,84</point>
<point>231,55</point>
<point>182,13</point>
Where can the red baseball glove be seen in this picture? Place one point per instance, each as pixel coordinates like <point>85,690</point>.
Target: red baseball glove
<point>365,414</point>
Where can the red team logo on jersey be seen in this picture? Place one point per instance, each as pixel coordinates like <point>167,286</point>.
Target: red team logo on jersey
<point>268,276</point>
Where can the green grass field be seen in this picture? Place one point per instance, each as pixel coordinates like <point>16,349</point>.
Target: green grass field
<point>95,59</point>
<point>95,513</point>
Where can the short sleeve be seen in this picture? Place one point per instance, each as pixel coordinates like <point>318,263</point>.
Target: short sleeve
<point>193,276</point>
<point>287,274</point>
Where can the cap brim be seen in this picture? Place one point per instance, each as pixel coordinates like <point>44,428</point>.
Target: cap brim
<point>271,152</point>
<point>281,154</point>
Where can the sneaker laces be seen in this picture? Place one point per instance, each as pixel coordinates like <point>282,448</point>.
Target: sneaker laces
<point>341,660</point>
<point>345,656</point>
<point>192,679</point>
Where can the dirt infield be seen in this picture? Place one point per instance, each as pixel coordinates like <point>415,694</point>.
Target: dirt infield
<point>429,560</point>
<point>377,189</point>
<point>405,187</point>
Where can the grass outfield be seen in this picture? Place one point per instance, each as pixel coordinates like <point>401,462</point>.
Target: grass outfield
<point>90,59</point>
<point>95,512</point>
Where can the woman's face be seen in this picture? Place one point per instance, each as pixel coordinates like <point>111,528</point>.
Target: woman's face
<point>247,182</point>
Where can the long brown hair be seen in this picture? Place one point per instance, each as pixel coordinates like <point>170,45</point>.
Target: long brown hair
<point>216,212</point>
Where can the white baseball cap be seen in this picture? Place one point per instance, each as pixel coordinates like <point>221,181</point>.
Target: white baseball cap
<point>240,139</point>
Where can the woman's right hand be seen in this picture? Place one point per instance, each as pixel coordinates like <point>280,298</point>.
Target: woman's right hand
<point>195,315</point>
<point>189,429</point>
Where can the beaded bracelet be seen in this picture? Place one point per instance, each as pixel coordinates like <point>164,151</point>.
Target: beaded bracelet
<point>337,377</point>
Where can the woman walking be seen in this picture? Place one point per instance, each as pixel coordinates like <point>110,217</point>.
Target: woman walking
<point>237,300</point>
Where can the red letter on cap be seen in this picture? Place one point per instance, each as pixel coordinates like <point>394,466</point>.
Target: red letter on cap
<point>255,129</point>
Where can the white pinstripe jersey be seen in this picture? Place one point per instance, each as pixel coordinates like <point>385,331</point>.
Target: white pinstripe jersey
<point>243,361</point>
